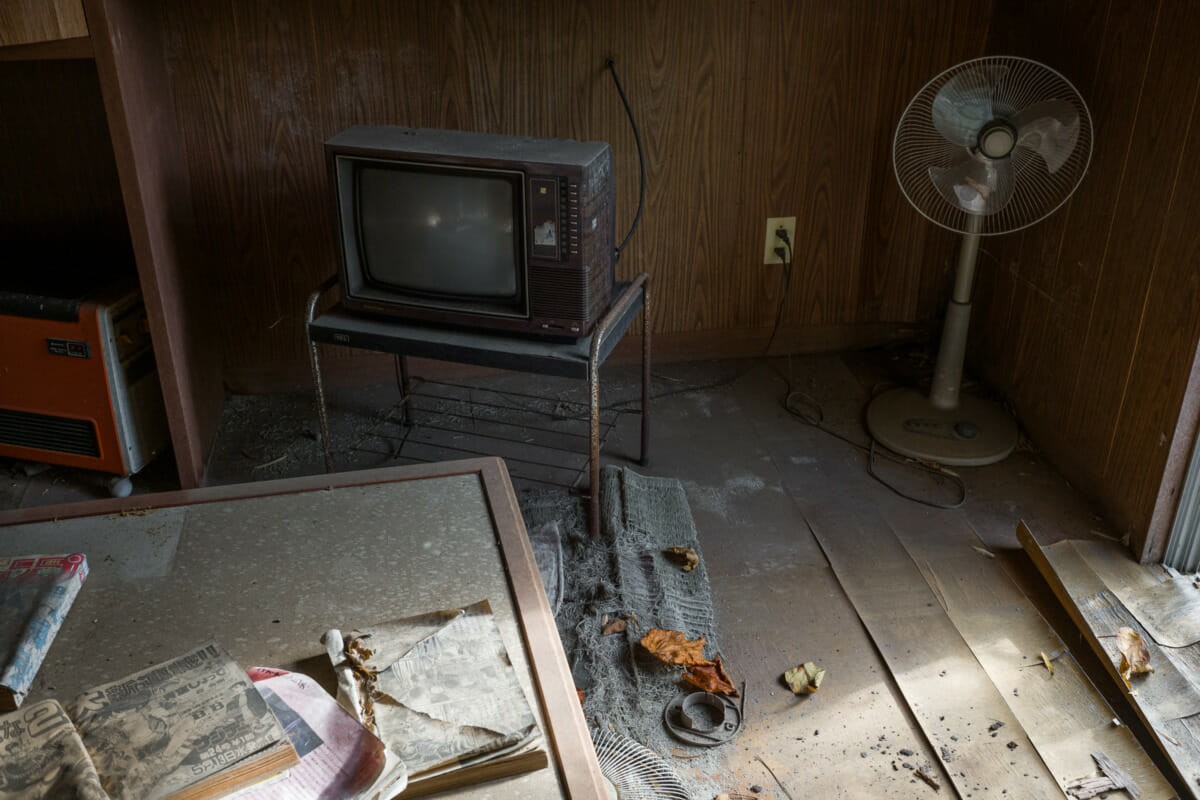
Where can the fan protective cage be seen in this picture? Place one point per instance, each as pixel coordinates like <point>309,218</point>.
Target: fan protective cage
<point>635,772</point>
<point>1012,84</point>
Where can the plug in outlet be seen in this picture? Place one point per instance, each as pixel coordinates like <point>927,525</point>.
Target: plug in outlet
<point>773,241</point>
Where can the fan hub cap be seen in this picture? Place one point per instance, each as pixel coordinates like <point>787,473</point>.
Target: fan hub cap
<point>997,139</point>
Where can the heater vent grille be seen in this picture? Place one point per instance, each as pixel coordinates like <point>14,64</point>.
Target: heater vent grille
<point>44,432</point>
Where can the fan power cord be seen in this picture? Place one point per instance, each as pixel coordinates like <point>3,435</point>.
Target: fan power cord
<point>786,255</point>
<point>815,417</point>
<point>637,137</point>
<point>787,260</point>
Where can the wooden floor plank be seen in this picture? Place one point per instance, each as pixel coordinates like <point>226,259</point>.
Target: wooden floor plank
<point>961,712</point>
<point>1168,608</point>
<point>1163,701</point>
<point>1064,715</point>
<point>991,621</point>
<point>838,743</point>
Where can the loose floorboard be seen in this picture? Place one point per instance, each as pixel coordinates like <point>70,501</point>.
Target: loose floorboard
<point>1165,700</point>
<point>1169,608</point>
<point>1064,715</point>
<point>845,741</point>
<point>951,695</point>
<point>958,707</point>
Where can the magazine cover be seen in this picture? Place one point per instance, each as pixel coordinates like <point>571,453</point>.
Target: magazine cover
<point>174,725</point>
<point>35,594</point>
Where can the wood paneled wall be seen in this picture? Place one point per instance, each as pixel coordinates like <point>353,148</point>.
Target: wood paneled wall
<point>747,110</point>
<point>60,197</point>
<point>1089,321</point>
<point>29,21</point>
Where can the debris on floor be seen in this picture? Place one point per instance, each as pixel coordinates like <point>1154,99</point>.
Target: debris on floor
<point>685,557</point>
<point>776,777</point>
<point>805,678</point>
<point>929,779</point>
<point>1112,778</point>
<point>632,768</point>
<point>702,719</point>
<point>711,677</point>
<point>673,647</point>
<point>1135,656</point>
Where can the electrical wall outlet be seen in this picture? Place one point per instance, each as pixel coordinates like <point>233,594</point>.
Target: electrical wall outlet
<point>773,241</point>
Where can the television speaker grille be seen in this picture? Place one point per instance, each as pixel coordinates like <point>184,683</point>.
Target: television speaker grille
<point>560,293</point>
<point>45,432</point>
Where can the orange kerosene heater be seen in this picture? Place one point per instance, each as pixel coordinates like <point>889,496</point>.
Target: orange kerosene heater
<point>78,382</point>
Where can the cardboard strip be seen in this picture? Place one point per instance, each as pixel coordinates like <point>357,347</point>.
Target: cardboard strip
<point>982,745</point>
<point>1096,612</point>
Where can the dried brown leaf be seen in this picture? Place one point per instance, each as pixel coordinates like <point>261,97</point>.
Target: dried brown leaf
<point>615,625</point>
<point>1135,656</point>
<point>711,677</point>
<point>686,557</point>
<point>674,648</point>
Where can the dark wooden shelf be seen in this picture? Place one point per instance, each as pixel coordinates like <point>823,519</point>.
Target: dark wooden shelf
<point>79,47</point>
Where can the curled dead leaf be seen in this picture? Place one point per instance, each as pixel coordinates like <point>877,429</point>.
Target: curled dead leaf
<point>673,647</point>
<point>805,678</point>
<point>615,625</point>
<point>711,677</point>
<point>686,557</point>
<point>1135,656</point>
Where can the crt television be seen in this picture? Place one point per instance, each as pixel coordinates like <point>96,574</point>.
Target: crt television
<point>471,229</point>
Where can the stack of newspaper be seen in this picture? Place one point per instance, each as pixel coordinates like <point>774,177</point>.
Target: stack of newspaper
<point>432,703</point>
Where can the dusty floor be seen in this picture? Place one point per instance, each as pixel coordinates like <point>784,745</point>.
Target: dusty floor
<point>744,462</point>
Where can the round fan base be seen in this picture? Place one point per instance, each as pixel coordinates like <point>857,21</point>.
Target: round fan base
<point>975,433</point>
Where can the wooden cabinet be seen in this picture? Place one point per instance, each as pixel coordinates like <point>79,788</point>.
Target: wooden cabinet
<point>94,175</point>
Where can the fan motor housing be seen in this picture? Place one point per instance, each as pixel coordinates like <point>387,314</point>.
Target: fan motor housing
<point>997,138</point>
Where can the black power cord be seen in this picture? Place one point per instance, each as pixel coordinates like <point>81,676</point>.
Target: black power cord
<point>787,283</point>
<point>812,414</point>
<point>782,235</point>
<point>637,137</point>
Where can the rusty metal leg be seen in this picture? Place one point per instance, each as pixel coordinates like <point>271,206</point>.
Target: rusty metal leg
<point>645,451</point>
<point>598,335</point>
<point>404,389</point>
<point>314,360</point>
<point>594,454</point>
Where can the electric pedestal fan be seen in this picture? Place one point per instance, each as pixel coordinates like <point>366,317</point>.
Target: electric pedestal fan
<point>990,146</point>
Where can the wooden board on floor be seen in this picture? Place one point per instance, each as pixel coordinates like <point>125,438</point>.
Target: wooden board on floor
<point>958,707</point>
<point>1097,612</point>
<point>1064,715</point>
<point>1169,608</point>
<point>843,742</point>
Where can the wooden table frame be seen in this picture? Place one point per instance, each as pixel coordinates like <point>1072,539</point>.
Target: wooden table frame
<point>567,732</point>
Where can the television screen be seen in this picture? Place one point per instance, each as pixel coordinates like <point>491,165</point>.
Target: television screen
<point>440,232</point>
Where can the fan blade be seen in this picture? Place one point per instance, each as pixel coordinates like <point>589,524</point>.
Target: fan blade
<point>964,104</point>
<point>976,185</point>
<point>1050,129</point>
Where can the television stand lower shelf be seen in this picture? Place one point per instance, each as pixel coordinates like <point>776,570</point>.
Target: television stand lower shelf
<point>579,358</point>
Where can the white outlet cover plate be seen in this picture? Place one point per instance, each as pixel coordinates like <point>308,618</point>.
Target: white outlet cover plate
<point>772,241</point>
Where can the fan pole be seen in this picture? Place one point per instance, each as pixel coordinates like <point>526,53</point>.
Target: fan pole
<point>946,426</point>
<point>947,372</point>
